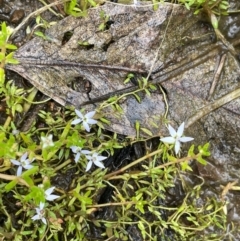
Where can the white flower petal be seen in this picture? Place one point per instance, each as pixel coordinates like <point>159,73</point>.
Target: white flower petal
<point>180,130</point>
<point>86,126</point>
<point>169,140</point>
<point>90,114</point>
<point>44,145</point>
<point>91,121</point>
<point>86,152</point>
<point>49,190</point>
<point>41,206</point>
<point>44,220</point>
<point>24,156</point>
<point>15,162</point>
<point>19,171</point>
<point>75,122</point>
<point>177,147</point>
<point>35,217</point>
<point>89,157</point>
<point>52,197</point>
<point>172,131</point>
<point>101,158</point>
<point>89,165</point>
<point>79,114</point>
<point>28,166</point>
<point>75,149</point>
<point>49,143</point>
<point>99,164</point>
<point>77,157</point>
<point>185,139</point>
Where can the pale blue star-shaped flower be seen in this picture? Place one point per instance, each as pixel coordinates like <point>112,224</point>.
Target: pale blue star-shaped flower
<point>96,160</point>
<point>23,163</point>
<point>40,213</point>
<point>85,119</point>
<point>78,151</point>
<point>176,137</point>
<point>47,141</point>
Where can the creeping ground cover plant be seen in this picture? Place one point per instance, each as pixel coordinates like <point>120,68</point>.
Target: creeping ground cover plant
<point>66,178</point>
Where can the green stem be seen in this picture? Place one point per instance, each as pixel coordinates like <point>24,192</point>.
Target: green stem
<point>7,122</point>
<point>108,176</point>
<point>63,165</point>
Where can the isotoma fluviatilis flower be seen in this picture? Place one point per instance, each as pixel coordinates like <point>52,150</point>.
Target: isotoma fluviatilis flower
<point>96,160</point>
<point>176,137</point>
<point>85,119</point>
<point>47,141</point>
<point>78,152</point>
<point>23,163</point>
<point>40,213</point>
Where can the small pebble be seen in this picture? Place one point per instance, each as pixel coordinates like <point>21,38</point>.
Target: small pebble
<point>17,16</point>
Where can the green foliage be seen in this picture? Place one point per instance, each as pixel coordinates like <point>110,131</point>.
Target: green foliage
<point>43,24</point>
<point>138,194</point>
<point>216,6</point>
<point>6,57</point>
<point>105,19</point>
<point>14,96</point>
<point>78,9</point>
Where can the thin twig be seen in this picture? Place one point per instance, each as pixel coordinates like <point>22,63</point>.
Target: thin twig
<point>12,178</point>
<point>217,76</point>
<point>34,14</point>
<point>210,107</point>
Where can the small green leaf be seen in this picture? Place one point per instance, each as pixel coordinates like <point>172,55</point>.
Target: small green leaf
<point>83,43</point>
<point>204,150</point>
<point>214,21</point>
<point>38,19</point>
<point>4,33</point>
<point>19,108</point>
<point>40,34</point>
<point>201,160</point>
<point>191,151</point>
<point>112,99</point>
<point>129,76</point>
<point>11,46</point>
<point>147,92</point>
<point>28,180</point>
<point>118,108</point>
<point>31,171</point>
<point>144,81</point>
<point>185,166</point>
<point>137,97</point>
<point>2,76</point>
<point>66,131</point>
<point>152,87</point>
<point>12,61</point>
<point>137,127</point>
<point>105,121</point>
<point>102,26</point>
<point>11,185</point>
<point>146,131</point>
<point>93,3</point>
